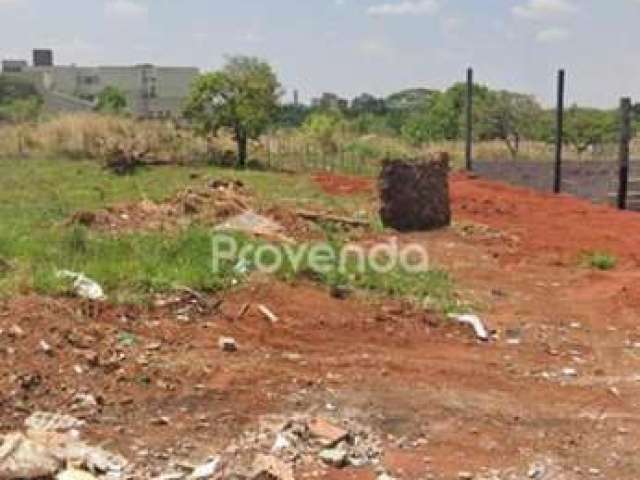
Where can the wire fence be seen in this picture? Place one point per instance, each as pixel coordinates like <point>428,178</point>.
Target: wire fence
<point>306,157</point>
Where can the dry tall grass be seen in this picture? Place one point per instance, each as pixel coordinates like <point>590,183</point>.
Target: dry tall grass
<point>89,135</point>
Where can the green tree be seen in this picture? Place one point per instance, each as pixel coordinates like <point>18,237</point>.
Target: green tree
<point>291,115</point>
<point>324,128</point>
<point>408,100</point>
<point>19,100</point>
<point>589,127</point>
<point>441,116</point>
<point>21,110</point>
<point>510,117</point>
<point>366,103</point>
<point>330,102</point>
<point>111,100</point>
<point>243,96</point>
<point>15,88</point>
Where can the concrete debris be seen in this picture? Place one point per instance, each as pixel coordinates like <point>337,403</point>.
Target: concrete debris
<point>228,344</point>
<point>206,470</point>
<point>474,322</point>
<point>21,457</point>
<point>281,443</point>
<point>336,457</point>
<point>286,443</point>
<point>69,449</point>
<point>73,474</point>
<point>83,286</point>
<point>52,422</point>
<point>268,467</point>
<point>254,224</point>
<point>328,434</point>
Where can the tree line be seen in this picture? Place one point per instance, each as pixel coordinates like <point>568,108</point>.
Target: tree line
<point>245,98</point>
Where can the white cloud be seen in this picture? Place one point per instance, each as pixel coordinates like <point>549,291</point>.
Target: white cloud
<point>125,8</point>
<point>551,35</point>
<point>405,7</point>
<point>538,9</point>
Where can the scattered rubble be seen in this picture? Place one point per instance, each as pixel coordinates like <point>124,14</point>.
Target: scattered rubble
<point>268,467</point>
<point>251,223</point>
<point>21,457</point>
<point>206,470</point>
<point>43,453</point>
<point>73,474</point>
<point>83,286</point>
<point>52,422</point>
<point>224,204</point>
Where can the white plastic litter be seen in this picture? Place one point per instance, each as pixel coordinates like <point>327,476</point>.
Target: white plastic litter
<point>83,286</point>
<point>207,470</point>
<point>476,323</point>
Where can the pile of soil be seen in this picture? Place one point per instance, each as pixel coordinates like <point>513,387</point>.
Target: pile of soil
<point>213,202</point>
<point>209,205</point>
<point>415,194</point>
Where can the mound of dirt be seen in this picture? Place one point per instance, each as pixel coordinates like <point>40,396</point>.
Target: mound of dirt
<point>209,204</point>
<point>215,201</point>
<point>415,194</point>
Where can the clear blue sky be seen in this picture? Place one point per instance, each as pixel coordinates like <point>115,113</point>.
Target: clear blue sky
<point>351,46</point>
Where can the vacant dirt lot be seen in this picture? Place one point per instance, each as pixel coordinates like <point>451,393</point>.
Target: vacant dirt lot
<point>554,395</point>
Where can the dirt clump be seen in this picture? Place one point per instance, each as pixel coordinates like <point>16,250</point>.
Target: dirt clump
<point>415,195</point>
<point>208,204</point>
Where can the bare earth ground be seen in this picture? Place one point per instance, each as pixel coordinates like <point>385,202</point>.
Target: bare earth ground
<point>558,387</point>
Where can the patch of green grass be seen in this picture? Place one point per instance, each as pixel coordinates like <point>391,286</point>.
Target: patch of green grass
<point>600,261</point>
<point>432,288</point>
<point>37,196</point>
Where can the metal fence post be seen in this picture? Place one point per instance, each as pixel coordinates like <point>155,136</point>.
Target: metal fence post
<point>625,139</point>
<point>557,184</point>
<point>469,133</point>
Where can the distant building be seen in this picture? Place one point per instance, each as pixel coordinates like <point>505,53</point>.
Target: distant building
<point>152,92</point>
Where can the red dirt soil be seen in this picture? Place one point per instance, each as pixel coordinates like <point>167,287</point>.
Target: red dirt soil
<point>444,402</point>
<point>343,184</point>
<point>558,228</point>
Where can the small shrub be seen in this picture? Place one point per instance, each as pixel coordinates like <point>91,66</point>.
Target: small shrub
<point>601,261</point>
